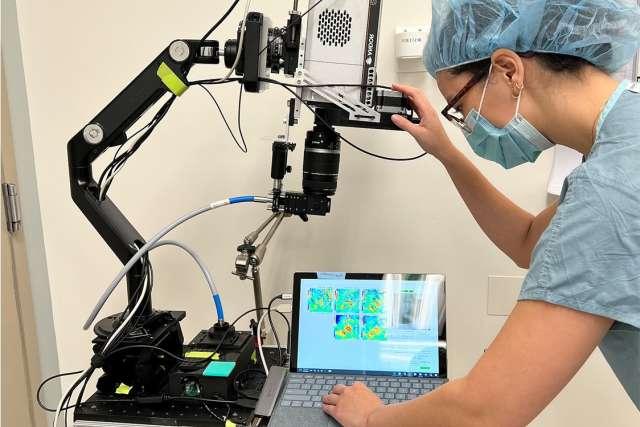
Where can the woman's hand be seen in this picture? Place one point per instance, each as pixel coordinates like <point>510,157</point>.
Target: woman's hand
<point>351,405</point>
<point>430,133</point>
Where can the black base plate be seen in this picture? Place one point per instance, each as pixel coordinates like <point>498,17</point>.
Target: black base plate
<point>165,414</point>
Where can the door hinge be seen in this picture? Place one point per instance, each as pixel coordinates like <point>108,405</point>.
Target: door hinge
<point>12,207</point>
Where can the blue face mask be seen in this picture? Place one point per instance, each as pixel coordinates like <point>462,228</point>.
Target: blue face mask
<point>517,143</point>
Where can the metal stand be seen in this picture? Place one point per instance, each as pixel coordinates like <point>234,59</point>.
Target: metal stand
<point>251,256</point>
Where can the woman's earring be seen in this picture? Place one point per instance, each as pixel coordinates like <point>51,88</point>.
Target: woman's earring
<point>519,87</point>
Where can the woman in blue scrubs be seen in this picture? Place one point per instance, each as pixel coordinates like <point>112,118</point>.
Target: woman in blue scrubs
<point>521,76</point>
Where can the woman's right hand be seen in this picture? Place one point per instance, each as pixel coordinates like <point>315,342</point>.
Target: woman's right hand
<point>430,133</point>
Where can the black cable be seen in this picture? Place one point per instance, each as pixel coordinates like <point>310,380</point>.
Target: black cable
<point>86,377</point>
<point>67,397</point>
<point>273,328</point>
<point>45,381</point>
<point>288,329</point>
<point>214,81</point>
<point>120,158</point>
<point>224,118</point>
<point>131,327</point>
<point>220,21</point>
<point>84,386</point>
<point>80,395</point>
<point>128,139</point>
<point>362,150</point>
<point>113,167</point>
<point>244,142</point>
<point>132,300</point>
<point>288,27</point>
<point>148,276</point>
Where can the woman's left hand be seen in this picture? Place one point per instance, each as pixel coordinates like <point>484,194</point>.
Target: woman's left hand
<point>352,405</point>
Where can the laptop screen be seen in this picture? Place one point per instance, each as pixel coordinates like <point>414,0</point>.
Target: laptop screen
<point>369,324</point>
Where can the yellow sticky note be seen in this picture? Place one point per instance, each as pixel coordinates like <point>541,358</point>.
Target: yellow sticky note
<point>123,389</point>
<point>229,423</point>
<point>201,355</point>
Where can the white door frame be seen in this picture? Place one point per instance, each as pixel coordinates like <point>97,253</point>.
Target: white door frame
<point>28,189</point>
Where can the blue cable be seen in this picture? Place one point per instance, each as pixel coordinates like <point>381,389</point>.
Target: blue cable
<point>218,303</point>
<point>241,199</point>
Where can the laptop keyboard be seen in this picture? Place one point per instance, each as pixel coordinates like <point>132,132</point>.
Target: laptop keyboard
<point>306,390</point>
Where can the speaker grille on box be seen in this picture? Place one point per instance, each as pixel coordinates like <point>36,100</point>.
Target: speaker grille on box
<point>334,27</point>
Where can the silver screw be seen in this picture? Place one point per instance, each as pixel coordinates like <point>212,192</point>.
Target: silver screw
<point>179,51</point>
<point>93,133</point>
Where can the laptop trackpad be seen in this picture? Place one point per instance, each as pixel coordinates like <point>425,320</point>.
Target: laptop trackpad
<point>301,417</point>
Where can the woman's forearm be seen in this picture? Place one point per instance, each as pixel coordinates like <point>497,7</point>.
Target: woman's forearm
<point>506,224</point>
<point>447,406</point>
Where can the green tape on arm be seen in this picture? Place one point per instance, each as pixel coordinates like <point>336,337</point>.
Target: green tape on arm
<point>171,80</point>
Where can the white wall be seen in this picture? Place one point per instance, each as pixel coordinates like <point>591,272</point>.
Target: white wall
<point>386,216</point>
<point>27,184</point>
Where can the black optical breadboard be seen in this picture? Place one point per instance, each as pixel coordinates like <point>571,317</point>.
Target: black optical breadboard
<point>93,413</point>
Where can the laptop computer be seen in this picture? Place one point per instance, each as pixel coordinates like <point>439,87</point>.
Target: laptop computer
<point>385,330</point>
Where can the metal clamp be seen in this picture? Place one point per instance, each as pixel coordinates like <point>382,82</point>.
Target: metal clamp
<point>251,256</point>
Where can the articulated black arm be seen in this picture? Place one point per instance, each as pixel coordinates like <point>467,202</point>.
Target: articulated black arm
<point>167,73</point>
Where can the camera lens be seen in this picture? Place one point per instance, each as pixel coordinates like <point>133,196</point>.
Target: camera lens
<point>321,161</point>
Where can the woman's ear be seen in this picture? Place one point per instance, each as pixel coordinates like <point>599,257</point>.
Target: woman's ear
<point>509,66</point>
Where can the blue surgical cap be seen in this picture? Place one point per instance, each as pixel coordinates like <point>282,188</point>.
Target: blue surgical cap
<point>604,32</point>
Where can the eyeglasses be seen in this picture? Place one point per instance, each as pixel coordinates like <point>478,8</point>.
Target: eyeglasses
<point>451,112</point>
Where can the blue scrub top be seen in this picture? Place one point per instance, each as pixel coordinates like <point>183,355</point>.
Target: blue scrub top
<point>588,259</point>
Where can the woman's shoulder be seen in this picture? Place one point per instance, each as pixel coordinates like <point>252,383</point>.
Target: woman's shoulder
<point>615,158</point>
<point>621,127</point>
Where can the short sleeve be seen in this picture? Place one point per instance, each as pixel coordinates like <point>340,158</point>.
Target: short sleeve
<point>588,259</point>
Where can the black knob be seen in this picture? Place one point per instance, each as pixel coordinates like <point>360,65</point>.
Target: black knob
<point>230,52</point>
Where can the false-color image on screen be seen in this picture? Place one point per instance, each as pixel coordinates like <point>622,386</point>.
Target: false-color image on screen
<point>360,336</point>
<point>347,327</point>
<point>348,301</point>
<point>320,300</point>
<point>372,301</point>
<point>373,328</point>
